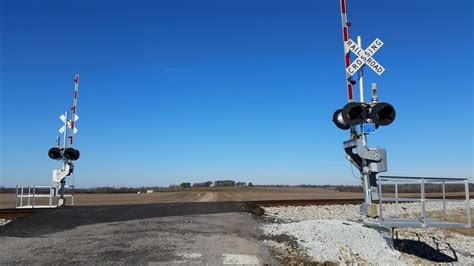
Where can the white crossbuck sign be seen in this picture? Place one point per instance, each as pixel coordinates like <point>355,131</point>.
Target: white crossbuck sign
<point>364,57</point>
<point>68,123</point>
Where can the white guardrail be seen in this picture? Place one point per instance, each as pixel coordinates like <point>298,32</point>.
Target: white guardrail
<point>422,220</point>
<point>28,197</point>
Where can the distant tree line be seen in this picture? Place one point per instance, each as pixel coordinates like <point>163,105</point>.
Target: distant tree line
<point>203,184</point>
<point>217,183</point>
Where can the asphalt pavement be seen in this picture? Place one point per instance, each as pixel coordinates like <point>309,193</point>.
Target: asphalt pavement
<point>212,233</point>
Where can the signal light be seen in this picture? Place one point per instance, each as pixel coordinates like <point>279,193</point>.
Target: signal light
<point>338,120</point>
<point>71,154</point>
<point>354,113</point>
<point>351,114</point>
<point>382,114</point>
<point>55,153</point>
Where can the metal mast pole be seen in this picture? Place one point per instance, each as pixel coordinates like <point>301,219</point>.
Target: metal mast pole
<point>360,77</point>
<point>361,74</point>
<point>364,173</point>
<point>65,130</point>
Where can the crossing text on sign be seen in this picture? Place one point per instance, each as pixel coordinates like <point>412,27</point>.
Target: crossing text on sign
<point>364,57</point>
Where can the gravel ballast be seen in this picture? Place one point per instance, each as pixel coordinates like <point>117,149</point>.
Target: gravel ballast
<point>338,241</point>
<point>301,213</point>
<point>336,233</point>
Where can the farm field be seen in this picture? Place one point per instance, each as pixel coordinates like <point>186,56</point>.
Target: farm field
<point>7,200</point>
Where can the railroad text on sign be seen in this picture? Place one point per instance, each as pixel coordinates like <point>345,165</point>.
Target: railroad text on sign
<point>364,57</point>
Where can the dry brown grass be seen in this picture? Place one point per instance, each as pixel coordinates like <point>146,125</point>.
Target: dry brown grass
<point>8,200</point>
<point>457,218</point>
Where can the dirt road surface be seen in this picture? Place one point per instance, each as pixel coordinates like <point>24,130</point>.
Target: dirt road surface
<point>208,197</point>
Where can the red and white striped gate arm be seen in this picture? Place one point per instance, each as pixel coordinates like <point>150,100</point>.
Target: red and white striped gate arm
<point>74,109</point>
<point>345,37</point>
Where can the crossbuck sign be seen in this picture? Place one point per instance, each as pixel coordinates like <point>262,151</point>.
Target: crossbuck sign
<point>68,123</point>
<point>364,57</point>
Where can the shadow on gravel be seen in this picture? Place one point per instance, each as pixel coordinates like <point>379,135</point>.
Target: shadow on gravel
<point>423,250</point>
<point>60,219</point>
<point>291,252</point>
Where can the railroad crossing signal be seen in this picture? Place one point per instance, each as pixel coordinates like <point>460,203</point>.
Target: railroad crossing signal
<point>364,57</point>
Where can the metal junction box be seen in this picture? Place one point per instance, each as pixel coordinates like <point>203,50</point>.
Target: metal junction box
<point>381,165</point>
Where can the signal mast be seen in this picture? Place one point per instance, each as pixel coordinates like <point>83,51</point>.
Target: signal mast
<point>65,152</point>
<point>362,118</point>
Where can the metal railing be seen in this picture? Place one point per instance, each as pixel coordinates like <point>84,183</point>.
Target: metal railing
<point>422,220</point>
<point>26,197</point>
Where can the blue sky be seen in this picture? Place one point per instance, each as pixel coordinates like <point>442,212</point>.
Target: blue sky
<point>175,91</point>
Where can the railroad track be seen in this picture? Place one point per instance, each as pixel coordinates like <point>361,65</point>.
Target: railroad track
<point>304,202</point>
<point>16,213</point>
